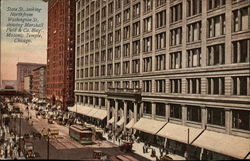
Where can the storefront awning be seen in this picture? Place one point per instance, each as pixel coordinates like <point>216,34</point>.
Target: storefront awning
<point>120,122</point>
<point>130,124</point>
<point>72,108</point>
<point>100,114</point>
<point>237,147</point>
<point>179,132</point>
<point>84,110</point>
<point>149,125</point>
<point>111,120</point>
<point>92,112</point>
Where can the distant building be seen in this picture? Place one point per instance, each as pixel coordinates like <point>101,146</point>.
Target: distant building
<point>24,69</point>
<point>61,49</point>
<point>12,83</point>
<point>27,83</point>
<point>39,82</point>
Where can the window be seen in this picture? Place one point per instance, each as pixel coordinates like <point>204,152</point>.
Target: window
<point>118,20</point>
<point>212,4</point>
<point>136,28</point>
<point>194,57</point>
<point>194,7</point>
<point>194,32</point>
<point>136,10</point>
<point>216,116</point>
<point>110,8</point>
<point>175,111</point>
<point>103,56</point>
<point>117,84</point>
<point>103,41</point>
<point>110,38</point>
<point>96,86</point>
<point>147,64</point>
<point>161,40</point>
<point>92,20</point>
<point>126,15</point>
<point>175,60</point>
<point>160,86</point>
<point>126,32</point>
<point>241,51</point>
<point>117,36</point>
<point>126,67</point>
<point>97,57</point>
<point>125,84</point>
<point>147,44</point>
<point>97,16</point>
<point>176,36</point>
<point>126,50</point>
<point>161,19</point>
<point>102,86</point>
<point>194,113</point>
<point>216,54</point>
<point>103,70</point>
<point>118,52</point>
<point>241,19</point>
<point>240,85</point>
<point>135,84</point>
<point>110,54</point>
<point>103,27</point>
<point>118,4</point>
<point>103,12</point>
<point>175,85</point>
<point>147,86</point>
<point>97,44</point>
<point>136,66</point>
<point>216,86</point>
<point>109,84</point>
<point>117,68</point>
<point>148,5</point>
<point>86,72</point>
<point>160,3</point>
<point>91,59</point>
<point>176,13</point>
<point>110,23</point>
<point>241,119</point>
<point>86,60</point>
<point>160,109</point>
<point>91,45</point>
<point>97,71</point>
<point>136,47</point>
<point>147,108</point>
<point>110,69</point>
<point>216,26</point>
<point>160,62</point>
<point>148,24</point>
<point>194,85</point>
<point>91,72</point>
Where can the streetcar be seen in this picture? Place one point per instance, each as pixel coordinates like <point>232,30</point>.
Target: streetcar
<point>81,134</point>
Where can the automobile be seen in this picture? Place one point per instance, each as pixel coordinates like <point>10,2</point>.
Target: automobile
<point>126,146</point>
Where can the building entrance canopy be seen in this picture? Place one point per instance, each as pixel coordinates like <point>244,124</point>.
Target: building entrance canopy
<point>237,147</point>
<point>130,124</point>
<point>148,125</point>
<point>88,111</point>
<point>179,133</point>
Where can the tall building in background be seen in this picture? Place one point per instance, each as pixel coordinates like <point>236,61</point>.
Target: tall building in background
<point>0,45</point>
<point>24,69</point>
<point>174,71</point>
<point>60,53</point>
<point>39,82</point>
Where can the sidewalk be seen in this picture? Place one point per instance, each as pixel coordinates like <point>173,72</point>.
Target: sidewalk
<point>138,149</point>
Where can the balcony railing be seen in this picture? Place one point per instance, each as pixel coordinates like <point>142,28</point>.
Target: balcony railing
<point>125,90</point>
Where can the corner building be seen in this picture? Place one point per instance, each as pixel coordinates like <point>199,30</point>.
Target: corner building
<point>60,53</point>
<point>174,72</point>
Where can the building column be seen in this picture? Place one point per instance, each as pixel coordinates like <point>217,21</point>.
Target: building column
<point>212,85</point>
<point>238,85</point>
<point>238,51</point>
<point>248,87</point>
<point>184,114</point>
<point>220,86</point>
<point>213,27</point>
<point>125,115</point>
<point>228,120</point>
<point>100,102</point>
<point>239,20</point>
<point>88,100</point>
<point>153,110</point>
<point>204,117</point>
<point>108,109</point>
<point>94,100</point>
<point>141,109</point>
<point>135,111</point>
<point>220,54</point>
<point>116,113</point>
<point>167,106</point>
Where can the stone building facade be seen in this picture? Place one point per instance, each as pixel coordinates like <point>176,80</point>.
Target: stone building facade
<point>171,69</point>
<point>39,82</point>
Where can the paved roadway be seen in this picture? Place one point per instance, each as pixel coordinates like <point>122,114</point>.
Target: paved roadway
<point>63,147</point>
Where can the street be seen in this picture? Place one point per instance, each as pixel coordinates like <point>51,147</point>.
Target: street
<point>62,147</point>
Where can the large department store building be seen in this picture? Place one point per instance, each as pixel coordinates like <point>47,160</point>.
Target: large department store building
<point>176,72</point>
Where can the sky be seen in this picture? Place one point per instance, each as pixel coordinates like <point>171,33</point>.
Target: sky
<point>34,52</point>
